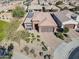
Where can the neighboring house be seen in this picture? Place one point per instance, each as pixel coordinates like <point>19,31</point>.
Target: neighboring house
<point>51,8</point>
<point>66,6</point>
<point>46,22</point>
<point>74,2</point>
<point>35,8</point>
<point>44,5</point>
<point>43,8</point>
<point>40,21</point>
<point>65,18</point>
<point>10,6</point>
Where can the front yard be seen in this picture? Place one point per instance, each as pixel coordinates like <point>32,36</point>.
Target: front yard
<point>32,45</point>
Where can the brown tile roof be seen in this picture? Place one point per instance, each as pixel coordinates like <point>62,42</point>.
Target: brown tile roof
<point>44,18</point>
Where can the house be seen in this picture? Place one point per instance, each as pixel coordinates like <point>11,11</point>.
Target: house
<point>35,8</point>
<point>51,8</point>
<point>43,5</point>
<point>65,18</point>
<point>43,8</point>
<point>73,2</point>
<point>40,21</point>
<point>10,6</point>
<point>66,6</point>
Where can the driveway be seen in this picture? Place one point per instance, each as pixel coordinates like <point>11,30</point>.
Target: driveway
<point>51,40</point>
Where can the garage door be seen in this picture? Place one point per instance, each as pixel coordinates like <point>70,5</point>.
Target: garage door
<point>47,29</point>
<point>70,26</point>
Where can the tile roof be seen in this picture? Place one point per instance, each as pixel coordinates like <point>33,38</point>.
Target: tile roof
<point>62,6</point>
<point>32,7</point>
<point>44,18</point>
<point>64,15</point>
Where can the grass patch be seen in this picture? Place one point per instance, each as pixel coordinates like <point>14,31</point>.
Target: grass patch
<point>3,28</point>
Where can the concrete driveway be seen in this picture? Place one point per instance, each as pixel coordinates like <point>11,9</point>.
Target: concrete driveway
<point>51,40</point>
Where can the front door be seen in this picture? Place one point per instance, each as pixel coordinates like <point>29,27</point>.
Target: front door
<point>37,27</point>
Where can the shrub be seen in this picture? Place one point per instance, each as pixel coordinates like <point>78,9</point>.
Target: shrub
<point>44,48</point>
<point>24,34</point>
<point>47,56</point>
<point>10,47</point>
<point>26,49</point>
<point>10,10</point>
<point>32,51</point>
<point>38,39</point>
<point>27,40</point>
<point>65,35</point>
<point>18,12</point>
<point>41,53</point>
<point>59,35</point>
<point>32,40</point>
<point>66,30</point>
<point>32,35</point>
<point>38,36</point>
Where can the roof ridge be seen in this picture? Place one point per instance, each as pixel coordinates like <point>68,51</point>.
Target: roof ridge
<point>43,20</point>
